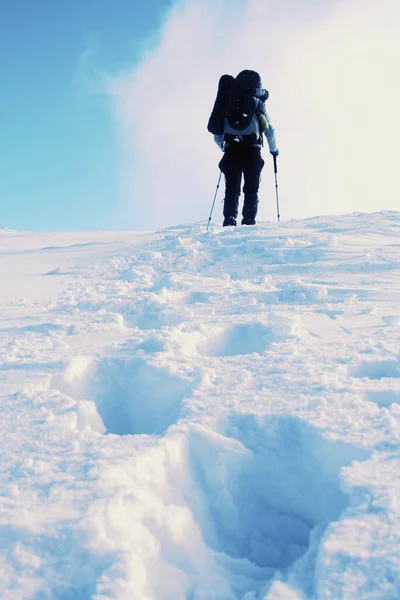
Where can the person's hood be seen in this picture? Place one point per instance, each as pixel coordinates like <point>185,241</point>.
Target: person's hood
<point>249,80</point>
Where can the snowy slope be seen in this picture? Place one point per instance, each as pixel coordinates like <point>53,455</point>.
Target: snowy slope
<point>202,416</point>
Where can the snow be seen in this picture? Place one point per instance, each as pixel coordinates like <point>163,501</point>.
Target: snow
<point>192,415</point>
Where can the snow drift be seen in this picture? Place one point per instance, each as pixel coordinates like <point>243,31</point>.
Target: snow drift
<point>202,416</point>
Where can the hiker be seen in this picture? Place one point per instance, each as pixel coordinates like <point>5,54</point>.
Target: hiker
<point>238,121</point>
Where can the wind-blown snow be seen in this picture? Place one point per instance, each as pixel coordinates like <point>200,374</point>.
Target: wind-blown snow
<point>202,416</point>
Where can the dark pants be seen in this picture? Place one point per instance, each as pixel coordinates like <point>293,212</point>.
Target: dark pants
<point>238,160</point>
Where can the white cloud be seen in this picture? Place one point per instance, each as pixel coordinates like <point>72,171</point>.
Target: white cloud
<point>332,72</point>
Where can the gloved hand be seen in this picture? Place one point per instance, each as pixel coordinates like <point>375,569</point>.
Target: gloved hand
<point>275,153</point>
<point>219,140</point>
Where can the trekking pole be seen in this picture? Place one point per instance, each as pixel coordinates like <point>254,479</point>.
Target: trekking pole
<point>276,186</point>
<point>215,197</point>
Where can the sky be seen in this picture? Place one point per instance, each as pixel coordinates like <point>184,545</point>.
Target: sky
<point>105,108</point>
<point>59,154</point>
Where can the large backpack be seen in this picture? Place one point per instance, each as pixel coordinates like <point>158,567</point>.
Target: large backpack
<point>216,122</point>
<point>239,108</point>
<point>242,123</point>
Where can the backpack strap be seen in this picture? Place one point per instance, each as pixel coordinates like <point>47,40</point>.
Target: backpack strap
<point>264,123</point>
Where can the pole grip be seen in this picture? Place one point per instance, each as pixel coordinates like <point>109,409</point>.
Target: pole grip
<point>275,164</point>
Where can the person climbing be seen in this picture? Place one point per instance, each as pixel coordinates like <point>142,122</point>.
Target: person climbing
<point>238,122</point>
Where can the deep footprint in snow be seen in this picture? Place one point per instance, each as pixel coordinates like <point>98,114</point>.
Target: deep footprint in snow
<point>249,338</point>
<point>382,393</point>
<point>243,338</point>
<point>198,298</point>
<point>378,370</point>
<point>384,398</point>
<point>265,487</point>
<point>132,396</point>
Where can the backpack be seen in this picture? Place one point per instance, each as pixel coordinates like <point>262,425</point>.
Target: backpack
<point>246,104</point>
<point>216,122</point>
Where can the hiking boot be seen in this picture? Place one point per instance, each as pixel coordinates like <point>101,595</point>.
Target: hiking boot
<point>229,222</point>
<point>248,221</point>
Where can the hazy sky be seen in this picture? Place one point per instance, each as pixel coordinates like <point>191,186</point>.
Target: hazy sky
<point>105,107</point>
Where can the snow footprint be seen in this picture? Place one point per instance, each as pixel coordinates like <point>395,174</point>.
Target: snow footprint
<point>385,369</point>
<point>268,488</point>
<point>380,380</point>
<point>248,338</point>
<point>243,338</point>
<point>132,395</point>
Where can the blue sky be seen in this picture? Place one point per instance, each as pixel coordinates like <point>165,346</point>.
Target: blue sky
<point>59,157</point>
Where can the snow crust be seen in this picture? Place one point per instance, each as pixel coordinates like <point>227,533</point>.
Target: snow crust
<point>202,416</point>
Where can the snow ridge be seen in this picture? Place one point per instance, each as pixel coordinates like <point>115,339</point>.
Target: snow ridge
<point>205,416</point>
